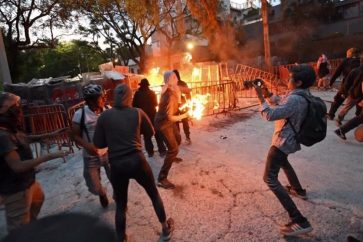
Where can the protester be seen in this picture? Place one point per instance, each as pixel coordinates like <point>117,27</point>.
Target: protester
<point>22,195</point>
<point>352,61</point>
<point>145,99</point>
<point>83,128</point>
<point>185,95</point>
<point>356,94</point>
<point>166,122</point>
<point>323,67</point>
<point>291,108</point>
<point>355,77</point>
<point>66,227</point>
<point>119,129</point>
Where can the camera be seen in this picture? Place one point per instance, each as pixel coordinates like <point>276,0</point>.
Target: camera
<point>248,84</point>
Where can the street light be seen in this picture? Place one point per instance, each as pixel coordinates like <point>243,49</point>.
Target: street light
<point>190,46</point>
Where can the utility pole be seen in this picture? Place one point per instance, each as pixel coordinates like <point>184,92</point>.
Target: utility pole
<point>266,39</point>
<point>4,67</point>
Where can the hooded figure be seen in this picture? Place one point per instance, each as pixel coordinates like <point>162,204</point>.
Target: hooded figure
<point>119,129</point>
<point>166,122</point>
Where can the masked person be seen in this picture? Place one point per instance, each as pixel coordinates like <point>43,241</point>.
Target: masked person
<point>145,98</point>
<point>22,195</point>
<point>83,128</point>
<point>290,108</point>
<point>166,122</point>
<point>323,67</point>
<point>120,129</point>
<point>185,95</point>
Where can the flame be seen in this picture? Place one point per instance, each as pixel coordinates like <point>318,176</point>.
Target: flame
<point>196,105</point>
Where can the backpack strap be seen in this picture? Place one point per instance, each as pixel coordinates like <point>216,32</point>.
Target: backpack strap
<point>307,113</point>
<point>83,125</point>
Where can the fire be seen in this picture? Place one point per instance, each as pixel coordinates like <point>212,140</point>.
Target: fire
<point>196,105</point>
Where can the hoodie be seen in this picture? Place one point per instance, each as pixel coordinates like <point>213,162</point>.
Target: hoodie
<point>120,127</point>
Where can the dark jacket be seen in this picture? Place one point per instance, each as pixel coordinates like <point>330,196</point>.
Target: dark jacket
<point>145,99</point>
<point>168,110</point>
<point>357,78</point>
<point>120,127</point>
<point>344,69</point>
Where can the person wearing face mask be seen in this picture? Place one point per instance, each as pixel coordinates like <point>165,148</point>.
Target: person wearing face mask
<point>166,122</point>
<point>83,128</point>
<point>22,195</point>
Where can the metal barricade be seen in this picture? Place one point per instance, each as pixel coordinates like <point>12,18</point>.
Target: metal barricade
<point>46,119</point>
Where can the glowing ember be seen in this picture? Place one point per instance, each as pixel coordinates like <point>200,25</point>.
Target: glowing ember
<point>196,105</point>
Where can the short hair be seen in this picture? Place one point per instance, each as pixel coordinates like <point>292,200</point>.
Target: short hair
<point>304,73</point>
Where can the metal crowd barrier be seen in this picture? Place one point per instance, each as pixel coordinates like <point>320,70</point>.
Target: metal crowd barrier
<point>45,119</point>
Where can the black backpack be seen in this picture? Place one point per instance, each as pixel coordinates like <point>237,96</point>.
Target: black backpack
<point>314,126</point>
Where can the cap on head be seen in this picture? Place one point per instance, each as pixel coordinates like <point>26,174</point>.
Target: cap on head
<point>7,100</point>
<point>144,83</point>
<point>92,90</point>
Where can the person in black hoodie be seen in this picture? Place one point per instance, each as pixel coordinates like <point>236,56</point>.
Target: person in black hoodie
<point>352,61</point>
<point>119,129</point>
<point>145,99</point>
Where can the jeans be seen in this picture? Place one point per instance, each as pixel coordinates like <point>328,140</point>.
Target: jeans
<point>276,159</point>
<point>23,207</point>
<point>172,139</point>
<point>353,123</point>
<point>92,173</point>
<point>122,170</point>
<point>159,142</point>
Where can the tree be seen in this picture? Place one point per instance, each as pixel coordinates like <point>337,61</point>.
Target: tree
<point>124,23</point>
<point>24,22</point>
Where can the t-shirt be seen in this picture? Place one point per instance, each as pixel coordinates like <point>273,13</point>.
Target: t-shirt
<point>90,120</point>
<point>10,181</point>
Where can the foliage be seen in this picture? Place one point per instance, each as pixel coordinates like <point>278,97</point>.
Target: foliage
<point>69,58</point>
<point>126,24</point>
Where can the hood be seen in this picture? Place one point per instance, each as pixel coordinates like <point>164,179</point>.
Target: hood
<point>122,96</point>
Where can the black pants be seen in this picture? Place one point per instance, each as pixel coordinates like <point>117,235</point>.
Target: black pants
<point>277,159</point>
<point>149,146</point>
<point>172,139</point>
<point>122,170</point>
<point>353,123</point>
<point>338,101</point>
<point>186,128</point>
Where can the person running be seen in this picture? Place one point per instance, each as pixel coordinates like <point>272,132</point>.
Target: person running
<point>120,129</point>
<point>185,95</point>
<point>294,108</point>
<point>352,61</point>
<point>166,122</point>
<point>145,99</point>
<point>22,195</point>
<point>83,128</point>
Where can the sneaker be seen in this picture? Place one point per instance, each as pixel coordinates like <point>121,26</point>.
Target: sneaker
<point>297,193</point>
<point>167,236</point>
<point>104,201</point>
<point>188,141</point>
<point>178,160</point>
<point>293,229</point>
<point>166,184</point>
<point>352,239</point>
<point>340,134</point>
